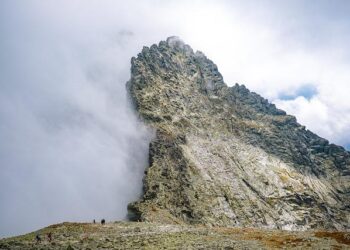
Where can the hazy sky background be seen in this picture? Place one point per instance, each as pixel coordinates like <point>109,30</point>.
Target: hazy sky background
<point>71,147</point>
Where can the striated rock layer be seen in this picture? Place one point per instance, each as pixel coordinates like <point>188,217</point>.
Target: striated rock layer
<point>225,156</point>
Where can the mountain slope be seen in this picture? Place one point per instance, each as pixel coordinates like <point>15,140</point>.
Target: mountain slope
<point>144,235</point>
<point>225,156</point>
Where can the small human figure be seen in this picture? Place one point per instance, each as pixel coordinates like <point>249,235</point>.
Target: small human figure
<point>103,221</point>
<point>38,239</point>
<point>94,221</point>
<point>49,236</point>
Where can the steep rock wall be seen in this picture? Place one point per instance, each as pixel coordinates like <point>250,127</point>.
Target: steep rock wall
<point>226,156</point>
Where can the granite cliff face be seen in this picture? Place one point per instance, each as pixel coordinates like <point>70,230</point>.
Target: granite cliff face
<point>225,156</point>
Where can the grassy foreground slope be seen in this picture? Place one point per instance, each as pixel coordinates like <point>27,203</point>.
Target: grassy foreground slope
<point>143,235</point>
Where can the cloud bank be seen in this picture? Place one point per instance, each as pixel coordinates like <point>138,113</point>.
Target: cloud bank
<point>71,147</point>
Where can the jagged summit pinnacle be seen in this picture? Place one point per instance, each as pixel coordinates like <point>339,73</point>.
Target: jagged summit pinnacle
<point>174,41</point>
<point>226,156</point>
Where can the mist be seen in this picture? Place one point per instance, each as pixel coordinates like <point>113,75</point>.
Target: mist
<point>72,148</point>
<point>71,145</point>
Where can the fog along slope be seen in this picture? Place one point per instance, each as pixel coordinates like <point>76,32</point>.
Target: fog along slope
<point>225,156</point>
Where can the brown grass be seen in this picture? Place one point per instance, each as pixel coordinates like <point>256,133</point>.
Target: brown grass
<point>340,237</point>
<point>271,240</point>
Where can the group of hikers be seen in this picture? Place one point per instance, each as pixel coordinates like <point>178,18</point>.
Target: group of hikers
<point>103,221</point>
<point>49,237</point>
<point>49,234</point>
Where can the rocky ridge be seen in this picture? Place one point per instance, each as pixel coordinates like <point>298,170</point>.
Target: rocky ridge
<point>145,235</point>
<point>225,156</point>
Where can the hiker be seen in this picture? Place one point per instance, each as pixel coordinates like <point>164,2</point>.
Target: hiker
<point>49,236</point>
<point>38,239</point>
<point>103,221</point>
<point>94,221</point>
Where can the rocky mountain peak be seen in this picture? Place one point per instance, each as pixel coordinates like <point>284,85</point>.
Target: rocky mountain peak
<point>225,155</point>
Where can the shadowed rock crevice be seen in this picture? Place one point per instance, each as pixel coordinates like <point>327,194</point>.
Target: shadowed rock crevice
<point>226,156</point>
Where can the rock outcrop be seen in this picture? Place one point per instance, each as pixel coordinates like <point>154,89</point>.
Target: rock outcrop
<point>226,156</point>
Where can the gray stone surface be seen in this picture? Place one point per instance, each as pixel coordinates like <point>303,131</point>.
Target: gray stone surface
<point>226,156</point>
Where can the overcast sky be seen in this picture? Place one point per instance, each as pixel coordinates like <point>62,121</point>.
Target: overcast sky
<point>70,145</point>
